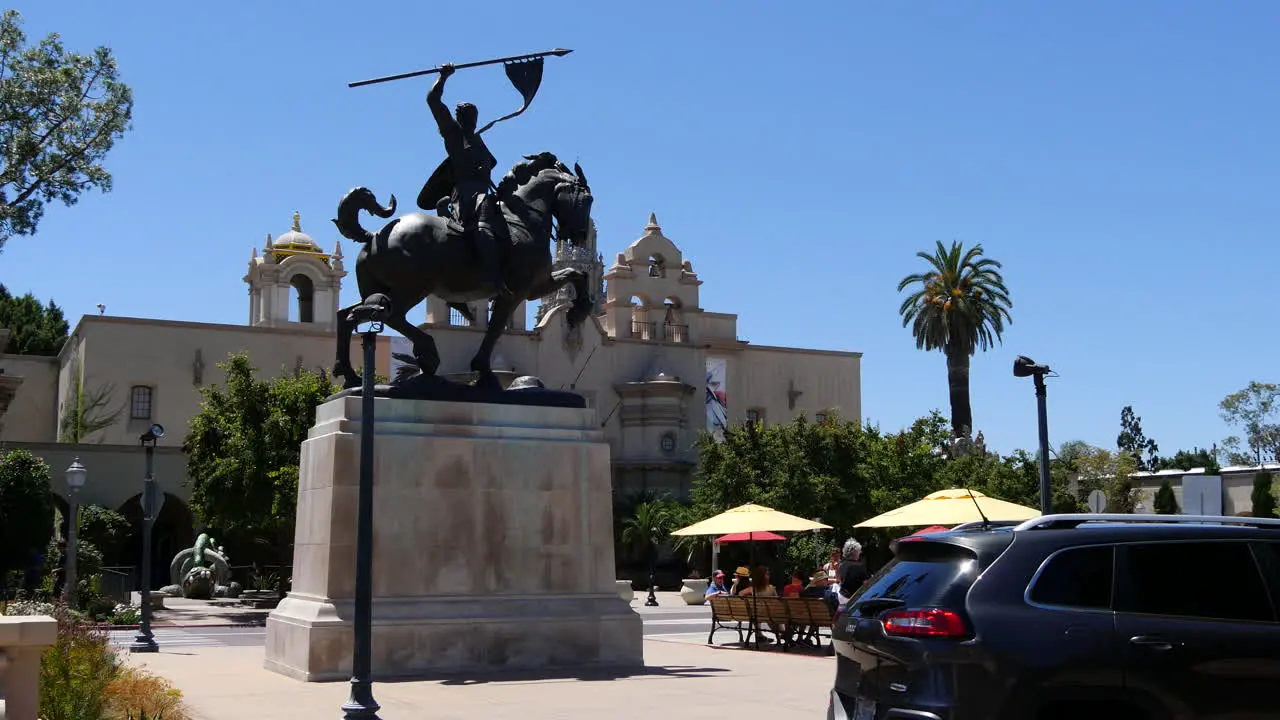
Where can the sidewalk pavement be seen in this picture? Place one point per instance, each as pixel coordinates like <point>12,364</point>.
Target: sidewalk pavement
<point>180,612</point>
<point>679,680</point>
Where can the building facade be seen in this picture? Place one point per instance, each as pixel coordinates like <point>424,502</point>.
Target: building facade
<point>656,366</point>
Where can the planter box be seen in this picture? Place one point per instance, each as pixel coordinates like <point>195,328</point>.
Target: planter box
<point>157,599</point>
<point>694,591</point>
<point>624,590</point>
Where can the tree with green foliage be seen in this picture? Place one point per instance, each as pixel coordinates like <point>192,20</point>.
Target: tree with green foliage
<point>60,114</point>
<point>104,527</point>
<point>26,510</point>
<point>86,410</point>
<point>244,447</point>
<point>1166,503</point>
<point>1112,473</point>
<point>1133,441</point>
<point>34,328</point>
<point>1263,496</point>
<point>958,306</point>
<point>648,527</point>
<point>1253,410</point>
<point>1190,460</point>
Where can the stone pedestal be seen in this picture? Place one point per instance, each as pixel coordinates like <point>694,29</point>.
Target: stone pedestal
<point>492,547</point>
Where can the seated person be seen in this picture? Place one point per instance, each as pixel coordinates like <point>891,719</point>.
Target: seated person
<point>760,586</point>
<point>820,587</point>
<point>717,586</point>
<point>793,588</point>
<point>741,579</point>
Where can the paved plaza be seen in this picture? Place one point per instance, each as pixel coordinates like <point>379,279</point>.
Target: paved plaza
<point>219,670</point>
<point>680,680</point>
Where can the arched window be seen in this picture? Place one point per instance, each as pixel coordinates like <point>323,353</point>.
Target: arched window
<point>641,326</point>
<point>140,402</point>
<point>304,291</point>
<point>674,328</point>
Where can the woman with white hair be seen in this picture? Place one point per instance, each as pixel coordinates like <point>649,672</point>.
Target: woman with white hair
<point>853,571</point>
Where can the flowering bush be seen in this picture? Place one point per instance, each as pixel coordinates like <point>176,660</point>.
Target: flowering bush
<point>30,607</point>
<point>123,614</point>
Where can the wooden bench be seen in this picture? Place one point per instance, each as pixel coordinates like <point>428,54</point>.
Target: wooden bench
<point>792,621</point>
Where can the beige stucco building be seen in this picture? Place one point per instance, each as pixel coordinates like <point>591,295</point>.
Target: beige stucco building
<point>644,362</point>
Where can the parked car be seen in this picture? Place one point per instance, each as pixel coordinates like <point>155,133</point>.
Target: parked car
<point>1101,617</point>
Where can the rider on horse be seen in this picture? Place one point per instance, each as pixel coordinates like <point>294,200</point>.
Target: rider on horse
<point>468,170</point>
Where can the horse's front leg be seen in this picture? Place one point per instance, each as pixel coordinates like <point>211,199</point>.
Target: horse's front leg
<point>503,306</point>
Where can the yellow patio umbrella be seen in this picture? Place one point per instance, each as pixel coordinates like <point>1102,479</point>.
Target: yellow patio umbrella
<point>750,518</point>
<point>951,507</point>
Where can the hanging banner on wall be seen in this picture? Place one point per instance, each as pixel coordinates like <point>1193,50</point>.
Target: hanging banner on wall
<point>717,401</point>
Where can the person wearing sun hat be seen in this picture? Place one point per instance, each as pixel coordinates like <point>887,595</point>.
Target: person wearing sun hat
<point>717,586</point>
<point>741,580</point>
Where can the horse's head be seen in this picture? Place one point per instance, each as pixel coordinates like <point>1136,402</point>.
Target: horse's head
<point>572,205</point>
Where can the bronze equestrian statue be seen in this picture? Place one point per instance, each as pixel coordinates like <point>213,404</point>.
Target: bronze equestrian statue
<point>417,255</point>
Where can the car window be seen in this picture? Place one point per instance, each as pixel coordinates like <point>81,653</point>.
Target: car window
<point>924,574</point>
<point>1078,577</point>
<point>1212,580</point>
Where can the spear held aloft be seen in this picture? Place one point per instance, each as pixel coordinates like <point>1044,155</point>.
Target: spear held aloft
<point>558,52</point>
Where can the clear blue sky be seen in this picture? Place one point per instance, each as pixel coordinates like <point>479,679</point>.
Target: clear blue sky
<point>1119,158</point>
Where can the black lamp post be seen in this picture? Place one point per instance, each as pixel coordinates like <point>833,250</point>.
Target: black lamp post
<point>360,704</point>
<point>152,499</point>
<point>76,475</point>
<point>1024,366</point>
<point>652,600</point>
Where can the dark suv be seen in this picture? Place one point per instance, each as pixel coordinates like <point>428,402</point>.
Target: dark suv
<point>1098,617</point>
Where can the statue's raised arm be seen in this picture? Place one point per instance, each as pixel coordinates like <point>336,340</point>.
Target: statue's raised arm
<point>449,128</point>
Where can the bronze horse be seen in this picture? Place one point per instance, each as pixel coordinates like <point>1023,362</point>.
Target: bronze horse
<point>417,255</point>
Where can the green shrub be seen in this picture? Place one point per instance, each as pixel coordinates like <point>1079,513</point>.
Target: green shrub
<point>1264,496</point>
<point>1166,503</point>
<point>77,671</point>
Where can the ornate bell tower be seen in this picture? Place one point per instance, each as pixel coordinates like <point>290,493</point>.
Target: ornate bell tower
<point>294,283</point>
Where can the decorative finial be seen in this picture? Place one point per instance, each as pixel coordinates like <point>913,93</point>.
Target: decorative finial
<point>255,254</point>
<point>653,228</point>
<point>269,243</point>
<point>297,222</point>
<point>337,250</point>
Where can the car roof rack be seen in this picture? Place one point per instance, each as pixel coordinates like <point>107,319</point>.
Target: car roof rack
<point>985,525</point>
<point>1076,519</point>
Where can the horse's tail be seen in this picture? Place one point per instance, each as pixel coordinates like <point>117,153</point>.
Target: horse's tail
<point>348,220</point>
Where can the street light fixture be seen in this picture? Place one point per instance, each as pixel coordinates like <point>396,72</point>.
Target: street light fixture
<point>368,318</point>
<point>152,500</point>
<point>1024,366</point>
<point>76,476</point>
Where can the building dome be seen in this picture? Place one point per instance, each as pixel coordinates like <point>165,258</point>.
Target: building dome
<point>296,242</point>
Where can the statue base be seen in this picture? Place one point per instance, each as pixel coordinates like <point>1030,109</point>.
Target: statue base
<point>492,551</point>
<point>434,387</point>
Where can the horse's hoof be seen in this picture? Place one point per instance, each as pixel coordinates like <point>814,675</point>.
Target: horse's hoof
<point>488,381</point>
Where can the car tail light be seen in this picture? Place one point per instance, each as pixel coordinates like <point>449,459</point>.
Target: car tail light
<point>931,623</point>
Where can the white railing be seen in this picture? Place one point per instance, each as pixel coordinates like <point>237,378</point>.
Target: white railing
<point>23,639</point>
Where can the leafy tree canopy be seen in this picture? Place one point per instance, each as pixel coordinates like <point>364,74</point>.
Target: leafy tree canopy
<point>60,114</point>
<point>26,509</point>
<point>34,329</point>
<point>1253,410</point>
<point>243,449</point>
<point>1135,442</point>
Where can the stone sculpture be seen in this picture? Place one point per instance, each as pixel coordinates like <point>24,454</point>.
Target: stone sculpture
<point>200,572</point>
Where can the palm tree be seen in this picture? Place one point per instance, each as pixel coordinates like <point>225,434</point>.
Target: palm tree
<point>647,527</point>
<point>959,306</point>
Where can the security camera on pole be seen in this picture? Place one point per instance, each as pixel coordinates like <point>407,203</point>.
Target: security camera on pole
<point>152,501</point>
<point>1024,366</point>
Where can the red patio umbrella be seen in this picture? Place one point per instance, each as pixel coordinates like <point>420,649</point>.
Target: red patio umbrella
<point>764,535</point>
<point>931,529</point>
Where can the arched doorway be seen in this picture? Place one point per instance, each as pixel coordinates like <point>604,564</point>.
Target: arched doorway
<point>173,530</point>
